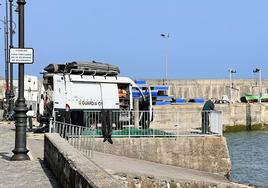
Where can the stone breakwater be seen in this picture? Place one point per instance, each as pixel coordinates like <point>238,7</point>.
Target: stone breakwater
<point>211,88</point>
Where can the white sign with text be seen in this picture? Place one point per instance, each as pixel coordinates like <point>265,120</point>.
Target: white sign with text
<point>21,55</point>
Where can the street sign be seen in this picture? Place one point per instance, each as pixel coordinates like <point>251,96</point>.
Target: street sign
<point>21,55</point>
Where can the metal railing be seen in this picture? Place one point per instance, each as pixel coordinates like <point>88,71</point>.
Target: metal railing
<point>159,124</point>
<point>216,122</point>
<point>129,124</point>
<point>80,137</point>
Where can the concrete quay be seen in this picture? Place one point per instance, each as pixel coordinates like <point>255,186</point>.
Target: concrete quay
<point>131,172</point>
<point>202,153</point>
<point>23,174</point>
<point>145,174</point>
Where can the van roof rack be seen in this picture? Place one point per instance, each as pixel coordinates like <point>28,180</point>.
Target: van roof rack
<point>84,68</point>
<point>92,72</point>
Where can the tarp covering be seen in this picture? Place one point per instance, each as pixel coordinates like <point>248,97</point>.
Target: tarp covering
<point>84,67</point>
<point>134,132</point>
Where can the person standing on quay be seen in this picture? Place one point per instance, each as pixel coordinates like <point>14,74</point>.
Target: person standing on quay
<point>208,106</point>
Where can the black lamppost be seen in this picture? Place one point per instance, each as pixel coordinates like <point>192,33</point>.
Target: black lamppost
<point>231,84</point>
<point>258,71</point>
<point>20,151</point>
<point>5,22</point>
<point>166,36</point>
<point>6,64</point>
<point>11,88</point>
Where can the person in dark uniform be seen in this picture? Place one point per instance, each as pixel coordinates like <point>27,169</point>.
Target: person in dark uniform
<point>208,106</point>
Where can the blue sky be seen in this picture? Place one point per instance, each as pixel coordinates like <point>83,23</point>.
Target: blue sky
<point>206,37</point>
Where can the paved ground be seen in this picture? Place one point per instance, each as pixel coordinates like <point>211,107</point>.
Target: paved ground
<point>25,174</point>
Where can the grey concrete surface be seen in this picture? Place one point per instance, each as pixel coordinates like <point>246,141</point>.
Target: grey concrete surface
<point>204,153</point>
<point>127,169</point>
<point>25,174</point>
<point>115,164</point>
<point>36,144</point>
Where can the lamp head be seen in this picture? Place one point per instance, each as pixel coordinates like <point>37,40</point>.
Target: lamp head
<point>232,70</point>
<point>256,70</point>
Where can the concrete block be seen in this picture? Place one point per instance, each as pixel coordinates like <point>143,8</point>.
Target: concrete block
<point>201,153</point>
<point>1,115</point>
<point>71,168</point>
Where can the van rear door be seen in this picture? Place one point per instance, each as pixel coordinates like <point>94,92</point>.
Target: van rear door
<point>110,97</point>
<point>84,96</point>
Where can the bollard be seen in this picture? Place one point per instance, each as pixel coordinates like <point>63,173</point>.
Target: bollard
<point>30,123</point>
<point>29,120</point>
<point>136,112</point>
<point>50,125</point>
<point>205,122</point>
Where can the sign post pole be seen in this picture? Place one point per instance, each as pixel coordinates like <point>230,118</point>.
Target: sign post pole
<point>20,151</point>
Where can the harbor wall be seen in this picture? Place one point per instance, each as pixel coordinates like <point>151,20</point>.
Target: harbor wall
<point>243,115</point>
<point>72,169</point>
<point>213,88</point>
<point>199,88</point>
<point>205,153</point>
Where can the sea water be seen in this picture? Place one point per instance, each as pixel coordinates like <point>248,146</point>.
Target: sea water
<point>249,156</point>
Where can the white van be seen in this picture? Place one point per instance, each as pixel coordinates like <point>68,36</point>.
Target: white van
<point>76,91</point>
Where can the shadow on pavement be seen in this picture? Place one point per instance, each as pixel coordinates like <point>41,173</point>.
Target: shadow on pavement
<point>48,173</point>
<point>5,156</point>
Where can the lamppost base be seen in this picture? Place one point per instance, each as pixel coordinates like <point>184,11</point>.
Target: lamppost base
<point>20,156</point>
